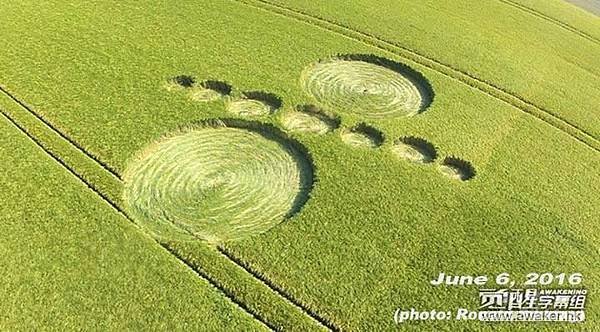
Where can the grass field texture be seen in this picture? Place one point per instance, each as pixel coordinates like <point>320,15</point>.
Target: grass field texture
<point>116,98</point>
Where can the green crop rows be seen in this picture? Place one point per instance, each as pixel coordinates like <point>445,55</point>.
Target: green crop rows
<point>283,165</point>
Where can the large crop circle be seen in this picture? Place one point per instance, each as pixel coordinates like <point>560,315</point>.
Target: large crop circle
<point>369,86</point>
<point>217,183</point>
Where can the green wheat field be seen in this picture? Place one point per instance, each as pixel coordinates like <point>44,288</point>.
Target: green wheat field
<point>277,165</point>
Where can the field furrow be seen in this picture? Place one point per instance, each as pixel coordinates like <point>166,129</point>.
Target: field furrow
<point>552,20</point>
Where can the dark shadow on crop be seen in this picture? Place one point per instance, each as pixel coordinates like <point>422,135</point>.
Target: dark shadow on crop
<point>267,98</point>
<point>329,119</point>
<point>374,134</point>
<point>299,153</point>
<point>426,149</point>
<point>419,81</point>
<point>221,87</point>
<point>463,168</point>
<point>185,81</point>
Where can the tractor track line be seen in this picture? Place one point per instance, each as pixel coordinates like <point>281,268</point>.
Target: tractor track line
<point>273,286</point>
<point>483,86</point>
<point>213,281</point>
<point>121,212</point>
<point>57,158</point>
<point>552,20</point>
<point>53,128</point>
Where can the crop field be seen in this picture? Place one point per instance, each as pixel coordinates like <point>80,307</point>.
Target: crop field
<point>250,165</point>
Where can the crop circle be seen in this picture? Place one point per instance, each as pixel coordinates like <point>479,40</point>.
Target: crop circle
<point>217,182</point>
<point>362,135</point>
<point>457,169</point>
<point>249,107</point>
<point>210,90</point>
<point>369,86</point>
<point>309,119</point>
<point>180,82</point>
<point>255,103</point>
<point>414,149</point>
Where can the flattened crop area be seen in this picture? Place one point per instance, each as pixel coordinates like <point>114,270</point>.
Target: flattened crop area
<point>366,86</point>
<point>217,183</point>
<point>308,176</point>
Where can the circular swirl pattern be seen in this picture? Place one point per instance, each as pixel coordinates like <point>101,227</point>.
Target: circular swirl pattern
<point>308,123</point>
<point>411,153</point>
<point>362,135</point>
<point>302,122</point>
<point>216,183</point>
<point>249,107</point>
<point>363,88</point>
<point>358,139</point>
<point>204,94</point>
<point>414,149</point>
<point>457,169</point>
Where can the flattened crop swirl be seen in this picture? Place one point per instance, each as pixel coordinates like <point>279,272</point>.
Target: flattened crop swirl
<point>363,88</point>
<point>216,183</point>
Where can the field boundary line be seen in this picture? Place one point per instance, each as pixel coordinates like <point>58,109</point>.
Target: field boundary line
<point>121,212</point>
<point>275,288</point>
<point>481,85</point>
<point>53,128</point>
<point>551,19</point>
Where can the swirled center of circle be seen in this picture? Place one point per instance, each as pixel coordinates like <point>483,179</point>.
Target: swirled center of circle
<point>363,88</point>
<point>216,184</point>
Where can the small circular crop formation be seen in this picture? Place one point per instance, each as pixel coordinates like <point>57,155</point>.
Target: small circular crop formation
<point>248,103</point>
<point>208,90</point>
<point>362,135</point>
<point>457,168</point>
<point>415,149</point>
<point>218,181</point>
<point>420,151</point>
<point>309,119</point>
<point>369,86</point>
<point>255,103</point>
